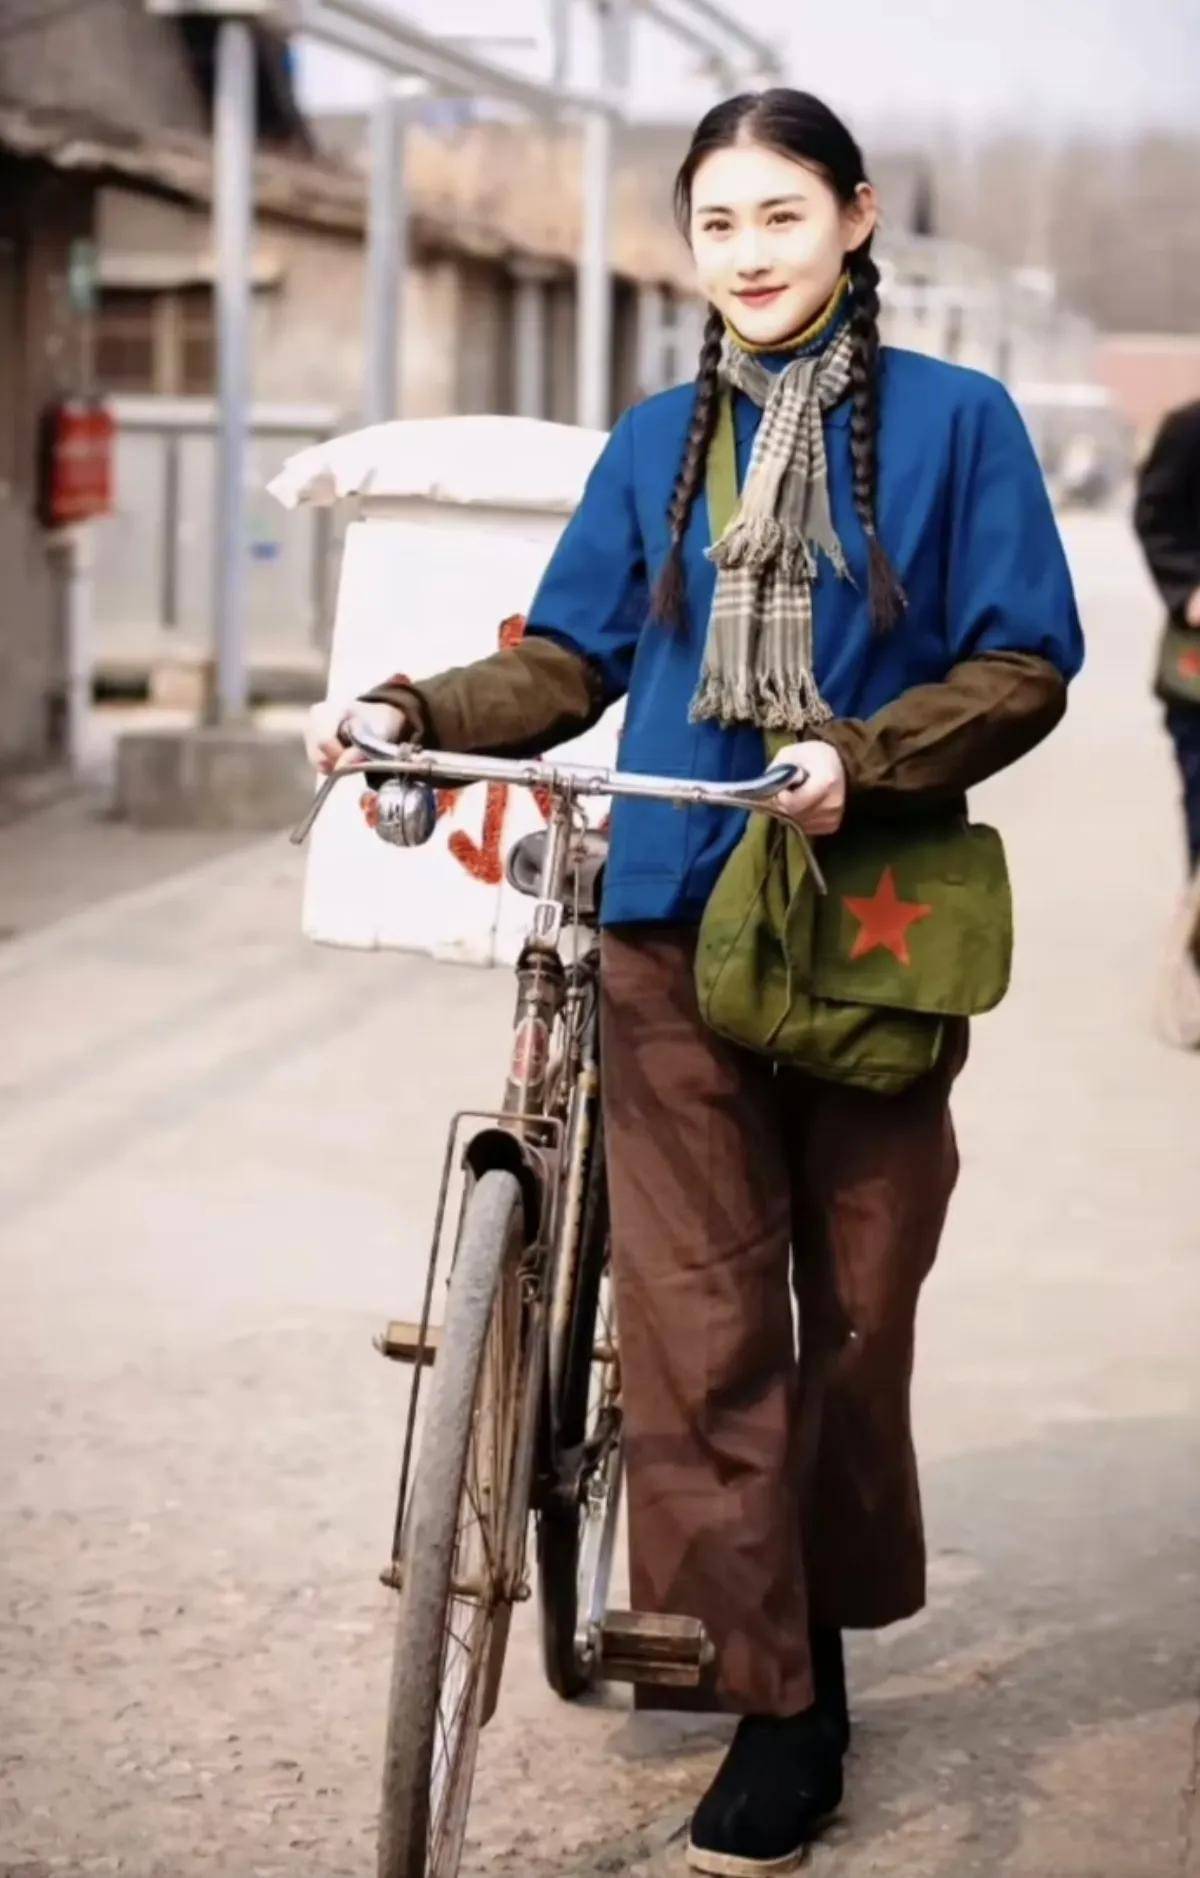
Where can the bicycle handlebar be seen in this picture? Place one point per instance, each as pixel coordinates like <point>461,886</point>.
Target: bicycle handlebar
<point>448,770</point>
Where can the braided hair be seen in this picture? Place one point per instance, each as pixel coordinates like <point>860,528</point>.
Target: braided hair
<point>888,598</point>
<point>669,589</point>
<point>799,126</point>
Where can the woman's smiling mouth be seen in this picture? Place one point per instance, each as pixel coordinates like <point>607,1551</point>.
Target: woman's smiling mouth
<point>758,296</point>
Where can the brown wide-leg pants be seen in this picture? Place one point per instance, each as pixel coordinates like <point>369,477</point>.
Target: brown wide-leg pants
<point>767,1484</point>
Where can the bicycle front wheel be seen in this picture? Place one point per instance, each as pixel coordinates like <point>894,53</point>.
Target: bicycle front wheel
<point>460,1564</point>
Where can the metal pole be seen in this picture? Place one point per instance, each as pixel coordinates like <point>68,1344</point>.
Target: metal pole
<point>72,550</point>
<point>233,209</point>
<point>529,343</point>
<point>387,253</point>
<point>595,281</point>
<point>716,59</point>
<point>651,373</point>
<point>560,42</point>
<point>763,51</point>
<point>382,37</point>
<point>594,350</point>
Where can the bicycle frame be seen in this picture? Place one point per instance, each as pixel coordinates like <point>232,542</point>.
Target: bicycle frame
<point>543,1134</point>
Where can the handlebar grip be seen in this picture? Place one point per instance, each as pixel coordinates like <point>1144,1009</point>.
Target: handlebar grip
<point>763,788</point>
<point>356,735</point>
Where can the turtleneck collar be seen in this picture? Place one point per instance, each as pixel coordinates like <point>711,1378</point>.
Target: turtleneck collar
<point>815,337</point>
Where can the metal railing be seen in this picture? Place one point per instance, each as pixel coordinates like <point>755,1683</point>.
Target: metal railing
<point>395,46</point>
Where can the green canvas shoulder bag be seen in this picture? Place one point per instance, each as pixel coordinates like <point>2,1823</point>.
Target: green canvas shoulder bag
<point>854,985</point>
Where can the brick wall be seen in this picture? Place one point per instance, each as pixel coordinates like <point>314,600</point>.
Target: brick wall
<point>1149,374</point>
<point>41,213</point>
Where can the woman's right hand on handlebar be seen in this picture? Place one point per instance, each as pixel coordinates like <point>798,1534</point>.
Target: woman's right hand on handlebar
<point>322,741</point>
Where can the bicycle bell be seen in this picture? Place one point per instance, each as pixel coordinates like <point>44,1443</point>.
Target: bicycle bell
<point>407,812</point>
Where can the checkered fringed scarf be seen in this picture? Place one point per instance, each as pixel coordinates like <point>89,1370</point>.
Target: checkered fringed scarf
<point>758,657</point>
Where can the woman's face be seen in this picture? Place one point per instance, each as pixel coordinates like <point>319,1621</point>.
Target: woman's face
<point>770,237</point>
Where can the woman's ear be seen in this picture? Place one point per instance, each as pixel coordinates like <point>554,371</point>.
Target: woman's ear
<point>860,217</point>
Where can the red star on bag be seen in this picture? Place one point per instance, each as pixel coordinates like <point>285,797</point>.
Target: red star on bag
<point>885,920</point>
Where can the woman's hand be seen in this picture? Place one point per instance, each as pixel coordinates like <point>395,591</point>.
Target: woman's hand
<point>325,750</point>
<point>818,804</point>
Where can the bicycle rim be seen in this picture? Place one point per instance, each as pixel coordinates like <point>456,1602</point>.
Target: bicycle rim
<point>458,1578</point>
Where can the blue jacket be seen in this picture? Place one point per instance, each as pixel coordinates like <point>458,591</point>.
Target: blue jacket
<point>963,513</point>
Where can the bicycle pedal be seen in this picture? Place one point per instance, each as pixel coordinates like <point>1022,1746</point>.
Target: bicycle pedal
<point>402,1342</point>
<point>645,1646</point>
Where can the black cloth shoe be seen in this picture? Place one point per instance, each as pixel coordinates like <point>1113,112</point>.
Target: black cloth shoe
<point>780,1778</point>
<point>829,1681</point>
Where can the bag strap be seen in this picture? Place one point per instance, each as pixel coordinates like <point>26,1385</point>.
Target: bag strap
<point>721,470</point>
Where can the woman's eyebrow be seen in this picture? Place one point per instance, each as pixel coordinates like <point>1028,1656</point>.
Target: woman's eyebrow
<point>772,202</point>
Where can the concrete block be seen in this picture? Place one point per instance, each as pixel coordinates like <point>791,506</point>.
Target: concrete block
<point>183,685</point>
<point>202,777</point>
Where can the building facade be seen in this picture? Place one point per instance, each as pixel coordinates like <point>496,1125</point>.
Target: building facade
<point>46,222</point>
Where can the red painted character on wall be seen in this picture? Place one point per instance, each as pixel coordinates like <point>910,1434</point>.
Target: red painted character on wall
<point>483,860</point>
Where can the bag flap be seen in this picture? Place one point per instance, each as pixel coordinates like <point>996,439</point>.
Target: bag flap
<point>1178,678</point>
<point>918,917</point>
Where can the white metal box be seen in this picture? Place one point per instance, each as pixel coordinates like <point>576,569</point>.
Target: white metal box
<point>455,519</point>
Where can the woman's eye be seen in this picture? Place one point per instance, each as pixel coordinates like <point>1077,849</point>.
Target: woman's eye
<point>785,215</point>
<point>714,228</point>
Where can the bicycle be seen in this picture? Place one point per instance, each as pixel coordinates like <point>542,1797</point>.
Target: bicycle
<point>524,1411</point>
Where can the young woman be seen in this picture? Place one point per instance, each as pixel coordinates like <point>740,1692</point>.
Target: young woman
<point>893,596</point>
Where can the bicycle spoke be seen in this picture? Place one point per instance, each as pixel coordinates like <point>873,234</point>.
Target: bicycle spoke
<point>481,1528</point>
<point>444,1771</point>
<point>462,1644</point>
<point>467,1690</point>
<point>479,1561</point>
<point>475,1572</point>
<point>438,1824</point>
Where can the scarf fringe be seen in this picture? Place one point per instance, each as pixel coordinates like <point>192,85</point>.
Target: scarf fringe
<point>769,701</point>
<point>837,555</point>
<point>767,544</point>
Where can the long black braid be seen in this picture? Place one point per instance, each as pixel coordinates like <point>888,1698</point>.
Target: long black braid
<point>669,591</point>
<point>887,596</point>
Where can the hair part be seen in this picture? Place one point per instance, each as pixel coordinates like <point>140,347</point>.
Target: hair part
<point>799,126</point>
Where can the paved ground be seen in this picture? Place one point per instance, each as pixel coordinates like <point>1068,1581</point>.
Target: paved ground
<point>219,1147</point>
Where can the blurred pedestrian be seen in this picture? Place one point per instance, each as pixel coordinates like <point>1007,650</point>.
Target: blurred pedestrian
<point>1167,520</point>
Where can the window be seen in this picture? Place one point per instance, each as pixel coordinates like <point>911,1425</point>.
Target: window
<point>197,343</point>
<point>156,341</point>
<point>125,340</point>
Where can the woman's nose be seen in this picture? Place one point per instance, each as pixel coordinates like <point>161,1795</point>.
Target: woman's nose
<point>749,257</point>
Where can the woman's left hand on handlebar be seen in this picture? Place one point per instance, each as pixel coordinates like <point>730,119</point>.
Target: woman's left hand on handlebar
<point>818,804</point>
<point>326,752</point>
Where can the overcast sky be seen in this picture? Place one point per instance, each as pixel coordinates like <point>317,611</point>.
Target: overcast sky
<point>1049,64</point>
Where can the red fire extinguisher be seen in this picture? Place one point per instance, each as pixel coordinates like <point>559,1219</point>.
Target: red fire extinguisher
<point>78,439</point>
